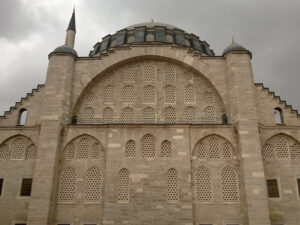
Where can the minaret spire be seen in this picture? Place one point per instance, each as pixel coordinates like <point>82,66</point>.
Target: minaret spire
<point>71,31</point>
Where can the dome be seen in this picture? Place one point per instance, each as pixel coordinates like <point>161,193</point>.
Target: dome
<point>234,47</point>
<point>65,49</point>
<point>152,33</point>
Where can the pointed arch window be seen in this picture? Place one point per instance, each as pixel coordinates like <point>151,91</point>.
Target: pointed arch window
<point>130,149</point>
<point>199,151</point>
<point>67,186</point>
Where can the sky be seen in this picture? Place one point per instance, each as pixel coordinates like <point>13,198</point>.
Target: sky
<point>31,29</point>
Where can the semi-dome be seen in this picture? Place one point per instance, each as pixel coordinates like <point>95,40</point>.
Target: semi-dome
<point>234,47</point>
<point>152,33</point>
<point>65,49</point>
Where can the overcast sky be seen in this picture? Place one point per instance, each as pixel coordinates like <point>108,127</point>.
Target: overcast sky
<point>31,29</point>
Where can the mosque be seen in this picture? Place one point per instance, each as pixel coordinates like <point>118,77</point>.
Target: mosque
<point>151,128</point>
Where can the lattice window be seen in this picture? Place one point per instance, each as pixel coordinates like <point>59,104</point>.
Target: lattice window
<point>4,152</point>
<point>87,115</point>
<point>108,77</point>
<point>130,149</point>
<point>166,151</point>
<point>227,151</point>
<point>230,185</point>
<point>150,37</point>
<point>170,115</point>
<point>149,94</point>
<point>173,187</point>
<point>169,38</point>
<point>149,74</point>
<point>190,114</point>
<point>203,186</point>
<point>108,115</point>
<point>83,149</point>
<point>89,97</point>
<point>129,73</point>
<point>170,73</point>
<point>31,152</point>
<point>123,186</point>
<point>170,94</point>
<point>189,76</point>
<point>93,185</point>
<point>130,39</point>
<point>189,94</point>
<point>148,115</point>
<point>18,149</point>
<point>109,94</point>
<point>273,190</point>
<point>281,148</point>
<point>214,151</point>
<point>70,151</point>
<point>67,187</point>
<point>210,115</point>
<point>127,115</point>
<point>295,151</point>
<point>209,97</point>
<point>128,94</point>
<point>148,147</point>
<point>199,151</point>
<point>97,151</point>
<point>268,152</point>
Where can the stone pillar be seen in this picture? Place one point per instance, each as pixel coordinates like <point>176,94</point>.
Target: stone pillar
<point>243,113</point>
<point>54,116</point>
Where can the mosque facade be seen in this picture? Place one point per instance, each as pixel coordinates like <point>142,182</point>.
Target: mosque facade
<point>151,128</point>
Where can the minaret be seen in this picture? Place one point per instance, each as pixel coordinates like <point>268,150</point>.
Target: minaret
<point>71,31</point>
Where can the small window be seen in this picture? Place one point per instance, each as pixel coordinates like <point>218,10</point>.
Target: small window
<point>26,187</point>
<point>1,185</point>
<point>298,183</point>
<point>22,117</point>
<point>273,190</point>
<point>224,119</point>
<point>278,116</point>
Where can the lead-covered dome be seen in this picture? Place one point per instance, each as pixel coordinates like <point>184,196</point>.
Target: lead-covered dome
<point>235,47</point>
<point>152,33</point>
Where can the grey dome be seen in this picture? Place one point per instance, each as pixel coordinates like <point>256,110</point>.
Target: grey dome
<point>234,47</point>
<point>151,24</point>
<point>65,49</point>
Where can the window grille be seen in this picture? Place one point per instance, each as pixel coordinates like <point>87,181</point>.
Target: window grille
<point>130,149</point>
<point>190,114</point>
<point>4,151</point>
<point>268,152</point>
<point>130,39</point>
<point>108,77</point>
<point>70,151</point>
<point>281,148</point>
<point>188,76</point>
<point>127,115</point>
<point>149,74</point>
<point>123,186</point>
<point>170,73</point>
<point>83,149</point>
<point>18,149</point>
<point>129,73</point>
<point>214,151</point>
<point>295,150</point>
<point>210,115</point>
<point>109,94</point>
<point>149,95</point>
<point>1,185</point>
<point>189,94</point>
<point>170,95</point>
<point>67,187</point>
<point>203,186</point>
<point>87,115</point>
<point>170,115</point>
<point>97,151</point>
<point>199,151</point>
<point>273,190</point>
<point>230,185</point>
<point>150,37</point>
<point>148,115</point>
<point>148,147</point>
<point>108,115</point>
<point>93,185</point>
<point>31,152</point>
<point>166,149</point>
<point>169,38</point>
<point>26,187</point>
<point>227,151</point>
<point>128,94</point>
<point>89,97</point>
<point>209,97</point>
<point>173,187</point>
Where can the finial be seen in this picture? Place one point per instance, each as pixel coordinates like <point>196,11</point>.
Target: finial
<point>233,40</point>
<point>152,20</point>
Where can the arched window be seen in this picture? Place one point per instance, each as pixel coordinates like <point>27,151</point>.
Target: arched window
<point>190,114</point>
<point>295,151</point>
<point>224,119</point>
<point>31,152</point>
<point>214,151</point>
<point>230,188</point>
<point>199,151</point>
<point>170,73</point>
<point>4,152</point>
<point>148,147</point>
<point>127,115</point>
<point>108,115</point>
<point>210,115</point>
<point>149,73</point>
<point>130,149</point>
<point>281,148</point>
<point>173,187</point>
<point>83,149</point>
<point>203,186</point>
<point>70,152</point>
<point>188,76</point>
<point>89,96</point>
<point>67,186</point>
<point>123,186</point>
<point>18,149</point>
<point>22,117</point>
<point>149,94</point>
<point>108,77</point>
<point>129,73</point>
<point>189,94</point>
<point>148,115</point>
<point>268,152</point>
<point>227,151</point>
<point>209,97</point>
<point>97,151</point>
<point>169,38</point>
<point>170,95</point>
<point>278,116</point>
<point>166,149</point>
<point>93,185</point>
<point>87,115</point>
<point>170,115</point>
<point>109,94</point>
<point>150,37</point>
<point>128,94</point>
